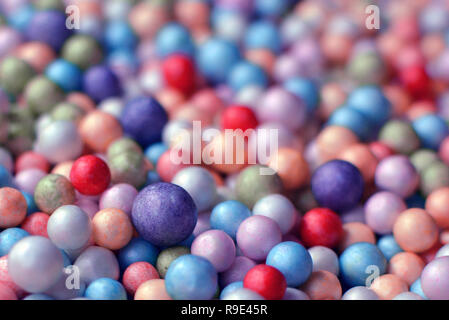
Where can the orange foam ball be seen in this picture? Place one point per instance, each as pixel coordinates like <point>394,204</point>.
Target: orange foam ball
<point>322,285</point>
<point>112,228</point>
<point>333,139</point>
<point>63,169</point>
<point>388,286</point>
<point>152,290</point>
<point>415,230</point>
<point>361,156</point>
<point>354,232</point>
<point>407,266</point>
<point>291,166</point>
<point>437,205</point>
<point>37,54</point>
<point>13,207</point>
<point>99,129</point>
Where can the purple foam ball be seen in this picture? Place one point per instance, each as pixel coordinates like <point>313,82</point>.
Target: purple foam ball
<point>164,214</point>
<point>435,279</point>
<point>97,262</point>
<point>49,27</point>
<point>337,185</point>
<point>143,120</point>
<point>101,83</point>
<point>237,271</point>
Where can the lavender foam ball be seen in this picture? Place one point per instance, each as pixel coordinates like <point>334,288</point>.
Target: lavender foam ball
<point>435,279</point>
<point>360,293</point>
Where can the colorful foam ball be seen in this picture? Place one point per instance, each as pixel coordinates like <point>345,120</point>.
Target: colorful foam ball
<point>431,130</point>
<point>65,74</point>
<point>267,281</point>
<point>13,207</point>
<point>321,227</point>
<point>137,250</point>
<point>179,73</point>
<point>400,136</point>
<point>353,120</point>
<point>136,274</point>
<point>101,83</point>
<point>120,196</point>
<point>90,175</point>
<point>112,228</point>
<point>388,245</point>
<point>359,261</point>
<point>33,256</point>
<point>105,289</point>
<point>95,263</point>
<point>257,235</point>
<point>360,293</point>
<point>244,74</point>
<point>278,208</point>
<point>322,285</point>
<point>9,237</point>
<point>324,258</point>
<point>52,192</point>
<point>237,271</point>
<point>191,277</point>
<point>388,286</point>
<point>293,260</point>
<point>337,185</point>
<point>167,256</point>
<point>173,38</point>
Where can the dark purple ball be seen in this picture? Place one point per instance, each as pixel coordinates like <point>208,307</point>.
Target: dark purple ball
<point>49,27</point>
<point>143,120</point>
<point>101,83</point>
<point>164,214</point>
<point>337,185</point>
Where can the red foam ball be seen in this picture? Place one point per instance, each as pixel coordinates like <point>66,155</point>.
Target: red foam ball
<point>415,80</point>
<point>5,279</point>
<point>32,160</point>
<point>267,281</point>
<point>36,224</point>
<point>321,227</point>
<point>238,117</point>
<point>136,274</point>
<point>90,175</point>
<point>166,168</point>
<point>179,73</point>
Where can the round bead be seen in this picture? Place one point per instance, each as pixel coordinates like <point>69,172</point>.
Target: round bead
<point>324,258</point>
<point>191,277</point>
<point>257,235</point>
<point>90,175</point>
<point>267,281</point>
<point>137,250</point>
<point>120,196</point>
<point>69,227</point>
<point>95,263</point>
<point>13,207</point>
<point>434,279</point>
<point>337,185</point>
<point>388,286</point>
<point>278,208</point>
<point>52,192</point>
<point>152,290</point>
<point>322,285</point>
<point>321,227</point>
<point>237,271</point>
<point>112,228</point>
<point>406,265</point>
<point>360,293</point>
<point>105,289</point>
<point>164,214</point>
<point>167,256</point>
<point>138,273</point>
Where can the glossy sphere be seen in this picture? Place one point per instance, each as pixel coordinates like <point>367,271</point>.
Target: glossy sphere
<point>137,250</point>
<point>217,247</point>
<point>105,289</point>
<point>321,227</point>
<point>69,227</point>
<point>179,73</point>
<point>337,185</point>
<point>199,183</point>
<point>59,141</point>
<point>167,256</point>
<point>332,139</point>
<point>112,228</point>
<point>434,279</point>
<point>324,258</point>
<point>242,294</point>
<point>120,196</point>
<point>431,130</point>
<point>358,261</point>
<point>257,235</point>
<point>238,117</point>
<point>278,105</point>
<point>397,174</point>
<point>9,237</point>
<point>65,74</point>
<point>389,247</point>
<point>152,290</point>
<point>237,271</point>
<point>407,266</point>
<point>437,205</point>
<point>251,185</point>
<point>381,211</point>
<point>13,207</point>
<point>360,293</point>
<point>35,255</point>
<point>278,208</point>
<point>173,38</point>
<point>322,285</point>
<point>164,214</point>
<point>143,119</point>
<point>36,224</point>
<point>353,120</point>
<point>99,129</point>
<point>90,175</point>
<point>293,260</point>
<point>291,167</point>
<point>191,277</point>
<point>53,191</point>
<point>245,74</point>
<point>435,176</point>
<point>269,282</point>
<point>388,286</point>
<point>400,136</point>
<point>97,262</point>
<point>362,157</point>
<point>228,215</point>
<point>138,273</point>
<point>31,160</point>
<point>415,230</point>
